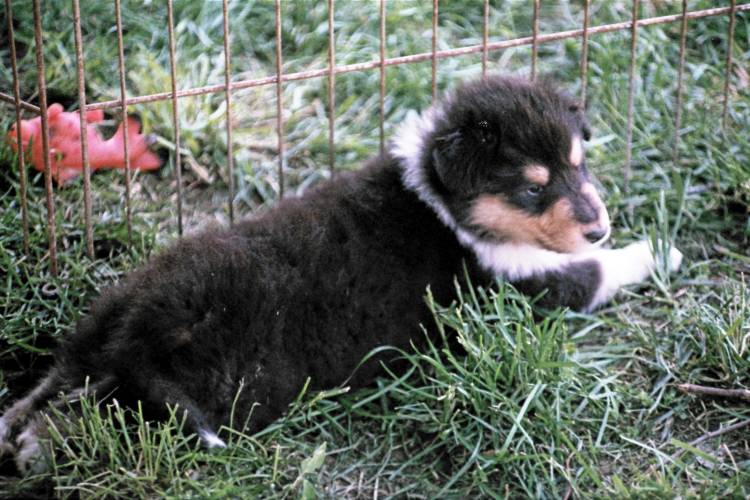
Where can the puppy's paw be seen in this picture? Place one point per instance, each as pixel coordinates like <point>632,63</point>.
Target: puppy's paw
<point>210,439</point>
<point>641,256</point>
<point>5,445</point>
<point>29,453</point>
<point>675,259</point>
<point>639,259</point>
<point>628,265</point>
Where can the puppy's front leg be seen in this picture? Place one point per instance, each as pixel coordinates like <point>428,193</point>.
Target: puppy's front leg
<point>626,266</point>
<point>585,281</point>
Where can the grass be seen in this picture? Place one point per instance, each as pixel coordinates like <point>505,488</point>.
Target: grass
<point>540,405</point>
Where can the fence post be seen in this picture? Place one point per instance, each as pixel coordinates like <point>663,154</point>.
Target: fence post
<point>42,85</point>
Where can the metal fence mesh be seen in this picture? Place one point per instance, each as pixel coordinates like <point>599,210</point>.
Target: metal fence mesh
<point>584,32</point>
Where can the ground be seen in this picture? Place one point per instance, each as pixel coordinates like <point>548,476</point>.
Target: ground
<point>551,405</point>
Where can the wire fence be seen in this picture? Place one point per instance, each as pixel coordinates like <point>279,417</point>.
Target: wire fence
<point>633,25</point>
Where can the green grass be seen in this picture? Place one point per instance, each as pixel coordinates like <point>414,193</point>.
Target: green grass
<point>538,405</point>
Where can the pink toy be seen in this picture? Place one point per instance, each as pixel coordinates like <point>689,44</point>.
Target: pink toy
<point>65,144</point>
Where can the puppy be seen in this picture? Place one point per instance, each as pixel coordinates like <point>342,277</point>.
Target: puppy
<point>492,180</point>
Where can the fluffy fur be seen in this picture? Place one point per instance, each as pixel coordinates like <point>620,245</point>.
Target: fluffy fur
<point>491,180</point>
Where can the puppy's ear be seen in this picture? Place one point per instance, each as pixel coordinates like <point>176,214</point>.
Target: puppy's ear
<point>445,154</point>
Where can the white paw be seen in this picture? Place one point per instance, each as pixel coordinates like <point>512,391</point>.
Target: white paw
<point>640,260</point>
<point>5,444</point>
<point>643,256</point>
<point>29,454</point>
<point>675,259</point>
<point>210,439</point>
<point>629,265</point>
<point>4,429</point>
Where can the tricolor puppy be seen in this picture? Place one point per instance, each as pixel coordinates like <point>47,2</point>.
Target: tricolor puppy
<point>493,179</point>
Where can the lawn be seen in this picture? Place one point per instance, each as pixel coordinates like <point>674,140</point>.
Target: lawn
<point>537,404</point>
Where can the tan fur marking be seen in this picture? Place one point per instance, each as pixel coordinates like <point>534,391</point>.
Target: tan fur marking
<point>576,152</point>
<point>556,229</point>
<point>536,174</point>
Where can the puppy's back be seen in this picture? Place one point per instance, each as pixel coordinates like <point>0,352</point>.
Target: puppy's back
<point>304,290</point>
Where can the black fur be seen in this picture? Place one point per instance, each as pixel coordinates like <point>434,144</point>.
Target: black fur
<point>309,288</point>
<point>490,130</point>
<point>570,285</point>
<point>306,290</point>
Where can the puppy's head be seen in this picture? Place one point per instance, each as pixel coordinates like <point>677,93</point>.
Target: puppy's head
<point>502,160</point>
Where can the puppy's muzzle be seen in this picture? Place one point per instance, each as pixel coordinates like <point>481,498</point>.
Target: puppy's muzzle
<point>599,231</point>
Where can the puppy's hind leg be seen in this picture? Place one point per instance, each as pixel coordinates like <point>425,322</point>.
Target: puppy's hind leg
<point>28,450</point>
<point>24,408</point>
<point>162,392</point>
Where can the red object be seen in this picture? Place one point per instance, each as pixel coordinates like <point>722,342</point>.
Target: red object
<point>65,144</point>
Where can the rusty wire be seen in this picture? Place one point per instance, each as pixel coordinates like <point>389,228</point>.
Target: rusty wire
<point>84,134</point>
<point>535,39</point>
<point>9,99</point>
<point>680,74</point>
<point>585,53</point>
<point>382,76</point>
<point>330,72</point>
<point>228,98</point>
<point>331,90</point>
<point>279,98</point>
<point>485,34</point>
<point>728,74</point>
<point>434,52</point>
<point>631,95</point>
<point>175,113</point>
<point>414,58</point>
<point>42,87</point>
<point>125,137</point>
<point>19,141</point>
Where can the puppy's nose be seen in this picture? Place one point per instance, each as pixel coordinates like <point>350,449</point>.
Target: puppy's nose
<point>596,235</point>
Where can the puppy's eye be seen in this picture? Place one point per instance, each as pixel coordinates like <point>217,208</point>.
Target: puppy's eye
<point>534,190</point>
